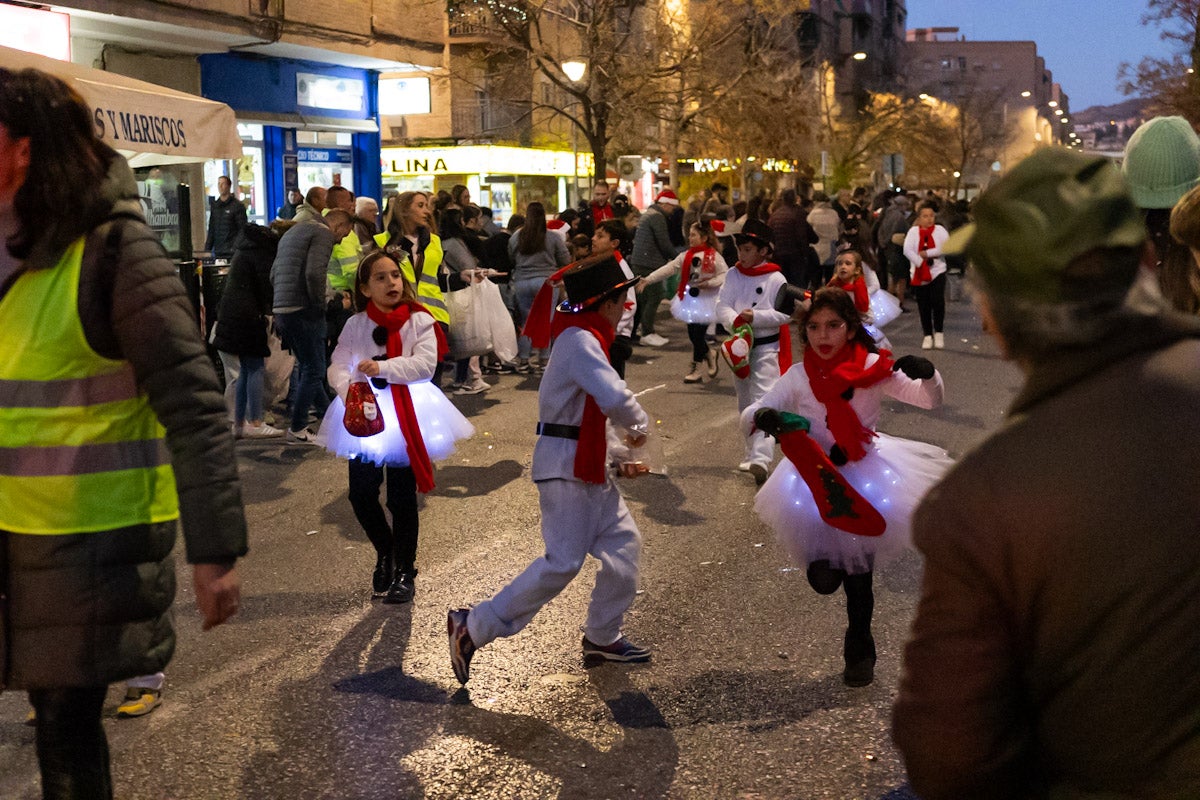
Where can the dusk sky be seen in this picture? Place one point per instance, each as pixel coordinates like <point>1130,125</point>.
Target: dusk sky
<point>1083,41</point>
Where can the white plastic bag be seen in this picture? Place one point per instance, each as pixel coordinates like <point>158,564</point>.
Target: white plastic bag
<point>500,323</point>
<point>470,331</point>
<point>278,372</point>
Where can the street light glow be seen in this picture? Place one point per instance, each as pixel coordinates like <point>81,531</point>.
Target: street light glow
<point>1053,104</point>
<point>859,56</point>
<point>1058,111</point>
<point>1026,93</point>
<point>574,69</point>
<point>923,96</point>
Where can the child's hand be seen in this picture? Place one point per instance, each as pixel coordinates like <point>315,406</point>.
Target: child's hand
<point>369,368</point>
<point>748,315</point>
<point>634,469</point>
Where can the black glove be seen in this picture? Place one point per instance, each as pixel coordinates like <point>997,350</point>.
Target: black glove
<point>915,367</point>
<point>838,456</point>
<point>768,421</point>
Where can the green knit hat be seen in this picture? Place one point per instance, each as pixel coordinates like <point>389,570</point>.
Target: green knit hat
<point>1052,207</point>
<point>1162,162</point>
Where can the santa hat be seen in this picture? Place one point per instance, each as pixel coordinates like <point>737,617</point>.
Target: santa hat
<point>667,198</point>
<point>718,227</point>
<point>560,227</point>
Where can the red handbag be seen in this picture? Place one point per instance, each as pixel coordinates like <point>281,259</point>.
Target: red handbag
<point>362,417</point>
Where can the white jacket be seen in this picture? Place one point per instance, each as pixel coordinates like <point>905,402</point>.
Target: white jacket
<point>418,343</point>
<point>912,241</point>
<point>756,293</point>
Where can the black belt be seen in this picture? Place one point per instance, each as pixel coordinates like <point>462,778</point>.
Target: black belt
<point>772,339</point>
<point>558,431</point>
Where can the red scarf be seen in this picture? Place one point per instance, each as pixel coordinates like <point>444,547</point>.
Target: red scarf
<point>785,333</point>
<point>601,213</point>
<point>858,288</point>
<point>537,324</point>
<point>921,274</point>
<point>708,266</point>
<point>830,378</point>
<point>418,456</point>
<point>592,448</point>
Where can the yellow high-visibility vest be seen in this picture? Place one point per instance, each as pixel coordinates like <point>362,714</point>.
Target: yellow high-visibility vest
<point>429,292</point>
<point>80,448</point>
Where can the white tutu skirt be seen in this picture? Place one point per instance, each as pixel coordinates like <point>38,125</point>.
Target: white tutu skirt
<point>893,477</point>
<point>441,426</point>
<point>701,309</point>
<point>881,339</point>
<point>884,308</point>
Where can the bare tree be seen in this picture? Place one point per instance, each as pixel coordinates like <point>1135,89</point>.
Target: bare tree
<point>1171,83</point>
<point>886,124</point>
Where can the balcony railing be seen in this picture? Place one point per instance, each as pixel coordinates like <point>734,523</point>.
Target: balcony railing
<point>496,119</point>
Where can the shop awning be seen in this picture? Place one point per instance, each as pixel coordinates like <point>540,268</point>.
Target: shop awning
<point>148,124</point>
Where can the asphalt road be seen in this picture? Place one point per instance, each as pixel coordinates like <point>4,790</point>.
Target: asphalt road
<point>317,692</point>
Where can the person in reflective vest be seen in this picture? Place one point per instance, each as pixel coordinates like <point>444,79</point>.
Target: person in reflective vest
<point>113,429</point>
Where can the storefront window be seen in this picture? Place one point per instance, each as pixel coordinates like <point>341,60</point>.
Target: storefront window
<point>324,138</point>
<point>158,188</point>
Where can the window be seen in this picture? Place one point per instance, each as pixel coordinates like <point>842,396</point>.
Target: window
<point>947,63</point>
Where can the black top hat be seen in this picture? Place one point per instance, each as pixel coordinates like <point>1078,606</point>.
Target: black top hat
<point>593,278</point>
<point>754,230</point>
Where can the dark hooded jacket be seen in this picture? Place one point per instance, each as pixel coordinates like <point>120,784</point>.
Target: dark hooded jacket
<point>246,300</point>
<point>93,608</point>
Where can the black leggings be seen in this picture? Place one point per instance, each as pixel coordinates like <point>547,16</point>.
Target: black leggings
<point>400,539</point>
<point>931,303</point>
<point>71,748</point>
<point>696,331</point>
<point>860,598</point>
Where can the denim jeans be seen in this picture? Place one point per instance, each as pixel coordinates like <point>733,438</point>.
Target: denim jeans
<point>304,333</point>
<point>526,290</point>
<point>71,747</point>
<point>249,403</point>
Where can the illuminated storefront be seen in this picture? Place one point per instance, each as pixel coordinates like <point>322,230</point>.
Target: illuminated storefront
<point>506,179</point>
<point>302,125</point>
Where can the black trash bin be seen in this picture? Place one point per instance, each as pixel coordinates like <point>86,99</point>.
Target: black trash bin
<point>213,276</point>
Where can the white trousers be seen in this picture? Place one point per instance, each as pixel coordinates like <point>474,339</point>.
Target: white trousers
<point>764,371</point>
<point>578,519</point>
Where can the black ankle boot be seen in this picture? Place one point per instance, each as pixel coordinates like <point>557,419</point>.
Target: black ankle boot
<point>381,580</point>
<point>859,652</point>
<point>403,587</point>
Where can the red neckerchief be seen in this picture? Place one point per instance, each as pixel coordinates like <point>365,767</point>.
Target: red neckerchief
<point>418,456</point>
<point>785,333</point>
<point>856,287</point>
<point>537,324</point>
<point>707,266</point>
<point>592,448</point>
<point>765,268</point>
<point>921,274</point>
<point>830,378</point>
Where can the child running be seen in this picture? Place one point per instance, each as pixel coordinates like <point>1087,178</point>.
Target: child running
<point>701,271</point>
<point>841,499</point>
<point>582,510</point>
<point>395,343</point>
<point>877,307</point>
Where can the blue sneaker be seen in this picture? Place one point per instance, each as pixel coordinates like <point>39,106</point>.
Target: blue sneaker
<point>621,650</point>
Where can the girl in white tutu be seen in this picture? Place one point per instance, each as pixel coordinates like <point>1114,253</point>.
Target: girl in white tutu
<point>701,271</point>
<point>876,307</point>
<point>845,513</point>
<point>395,344</point>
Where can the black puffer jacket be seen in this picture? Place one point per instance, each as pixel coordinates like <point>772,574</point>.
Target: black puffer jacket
<point>241,323</point>
<point>92,608</point>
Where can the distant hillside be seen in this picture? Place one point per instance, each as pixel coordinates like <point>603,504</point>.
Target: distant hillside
<point>1134,107</point>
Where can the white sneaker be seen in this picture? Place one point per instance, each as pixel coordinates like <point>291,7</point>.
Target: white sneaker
<point>474,387</point>
<point>939,341</point>
<point>927,343</point>
<point>298,437</point>
<point>654,340</point>
<point>263,431</point>
<point>744,466</point>
<point>237,430</point>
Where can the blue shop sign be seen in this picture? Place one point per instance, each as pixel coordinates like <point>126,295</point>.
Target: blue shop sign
<point>323,155</point>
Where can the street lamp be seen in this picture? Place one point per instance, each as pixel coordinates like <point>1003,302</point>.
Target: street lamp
<point>575,69</point>
<point>859,56</point>
<point>1026,93</point>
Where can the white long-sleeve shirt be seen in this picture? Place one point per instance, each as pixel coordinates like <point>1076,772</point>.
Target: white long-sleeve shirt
<point>912,245</point>
<point>756,293</point>
<point>792,393</point>
<point>578,369</point>
<point>418,359</point>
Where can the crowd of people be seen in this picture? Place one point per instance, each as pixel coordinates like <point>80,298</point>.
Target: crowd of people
<point>1056,604</point>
